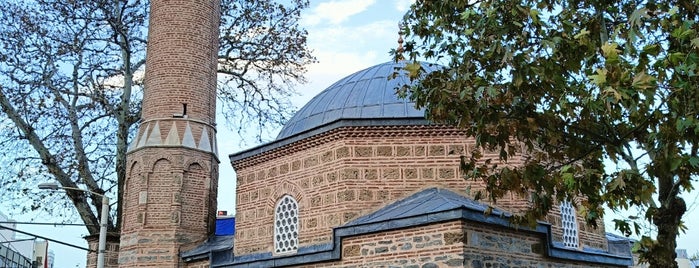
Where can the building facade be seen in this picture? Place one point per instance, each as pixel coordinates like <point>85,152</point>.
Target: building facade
<point>19,252</point>
<point>359,178</point>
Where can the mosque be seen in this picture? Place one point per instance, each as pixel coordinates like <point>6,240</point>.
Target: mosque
<point>357,178</point>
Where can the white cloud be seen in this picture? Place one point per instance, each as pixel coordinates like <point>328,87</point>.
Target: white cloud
<point>403,5</point>
<point>343,50</point>
<point>379,36</point>
<point>336,12</point>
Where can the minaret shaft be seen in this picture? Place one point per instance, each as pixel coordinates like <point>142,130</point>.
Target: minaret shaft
<point>170,190</point>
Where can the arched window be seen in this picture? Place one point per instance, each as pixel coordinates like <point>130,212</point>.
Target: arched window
<point>286,225</point>
<point>569,224</point>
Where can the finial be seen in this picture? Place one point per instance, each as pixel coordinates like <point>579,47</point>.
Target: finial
<point>399,49</point>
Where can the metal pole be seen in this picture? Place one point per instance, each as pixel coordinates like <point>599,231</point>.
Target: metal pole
<point>103,231</point>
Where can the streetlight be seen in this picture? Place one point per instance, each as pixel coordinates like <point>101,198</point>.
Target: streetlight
<point>103,217</point>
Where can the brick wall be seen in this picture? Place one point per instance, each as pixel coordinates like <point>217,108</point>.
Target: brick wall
<point>169,204</point>
<point>449,244</point>
<point>171,185</point>
<point>181,60</point>
<point>341,175</point>
<point>437,245</point>
<point>111,255</point>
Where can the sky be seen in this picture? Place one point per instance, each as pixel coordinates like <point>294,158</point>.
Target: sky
<point>346,36</point>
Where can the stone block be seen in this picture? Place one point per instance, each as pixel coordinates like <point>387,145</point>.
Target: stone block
<point>419,150</point>
<point>410,174</point>
<point>317,180</point>
<point>371,174</point>
<point>310,161</point>
<point>403,151</point>
<point>365,195</point>
<point>342,152</point>
<point>296,165</point>
<point>427,173</point>
<point>349,174</point>
<point>346,195</point>
<point>283,169</point>
<point>272,172</point>
<point>390,174</point>
<point>351,251</point>
<point>363,151</point>
<point>384,151</point>
<point>436,150</point>
<point>447,173</point>
<point>452,238</point>
<point>327,156</point>
<point>331,177</point>
<point>456,149</point>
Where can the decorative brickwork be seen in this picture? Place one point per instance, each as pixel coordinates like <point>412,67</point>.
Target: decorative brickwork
<point>170,189</point>
<point>352,171</point>
<point>448,244</point>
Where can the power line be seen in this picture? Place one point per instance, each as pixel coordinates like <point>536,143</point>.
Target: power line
<point>18,240</point>
<point>44,223</point>
<point>7,239</point>
<point>46,238</point>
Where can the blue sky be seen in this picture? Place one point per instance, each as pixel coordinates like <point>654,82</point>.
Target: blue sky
<point>346,36</point>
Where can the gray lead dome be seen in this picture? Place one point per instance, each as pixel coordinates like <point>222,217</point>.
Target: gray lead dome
<point>367,94</point>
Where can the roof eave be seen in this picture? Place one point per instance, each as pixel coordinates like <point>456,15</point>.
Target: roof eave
<point>340,123</point>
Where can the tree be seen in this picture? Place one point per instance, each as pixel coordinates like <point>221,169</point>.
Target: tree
<point>70,90</point>
<point>600,96</point>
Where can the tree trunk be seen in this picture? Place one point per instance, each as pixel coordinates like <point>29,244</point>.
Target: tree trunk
<point>667,219</point>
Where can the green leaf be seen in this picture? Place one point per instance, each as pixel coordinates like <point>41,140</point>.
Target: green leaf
<point>600,78</point>
<point>653,49</point>
<point>610,51</point>
<point>637,15</point>
<point>568,180</point>
<point>676,57</point>
<point>582,33</point>
<point>695,42</point>
<point>534,15</point>
<point>643,81</point>
<point>693,161</point>
<point>619,182</point>
<point>413,69</point>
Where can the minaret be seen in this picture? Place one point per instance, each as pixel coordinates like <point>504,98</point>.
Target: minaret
<point>172,174</point>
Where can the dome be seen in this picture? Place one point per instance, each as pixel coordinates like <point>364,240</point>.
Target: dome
<point>368,94</point>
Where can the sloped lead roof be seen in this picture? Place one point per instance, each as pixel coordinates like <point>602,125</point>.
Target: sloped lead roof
<point>366,94</point>
<point>431,200</point>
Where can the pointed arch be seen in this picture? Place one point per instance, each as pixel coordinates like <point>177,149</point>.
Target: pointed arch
<point>284,188</point>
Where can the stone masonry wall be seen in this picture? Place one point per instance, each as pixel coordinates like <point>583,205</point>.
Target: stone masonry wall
<point>448,244</point>
<point>111,255</point>
<point>431,246</point>
<point>347,173</point>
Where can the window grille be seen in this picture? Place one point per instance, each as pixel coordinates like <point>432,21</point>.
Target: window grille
<point>286,225</point>
<point>569,224</point>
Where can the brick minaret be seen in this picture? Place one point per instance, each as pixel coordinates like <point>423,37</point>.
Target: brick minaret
<point>170,190</point>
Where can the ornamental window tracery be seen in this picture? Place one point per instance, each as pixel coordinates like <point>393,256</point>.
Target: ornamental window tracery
<point>286,225</point>
<point>569,224</point>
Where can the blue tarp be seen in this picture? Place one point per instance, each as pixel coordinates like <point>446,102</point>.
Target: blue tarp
<point>225,226</point>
